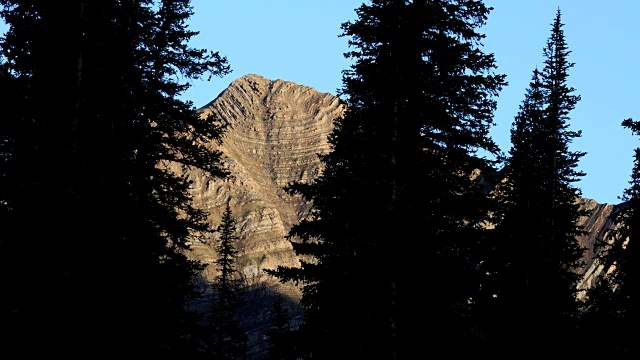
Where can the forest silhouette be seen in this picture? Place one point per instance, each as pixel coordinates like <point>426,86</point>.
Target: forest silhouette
<point>405,255</point>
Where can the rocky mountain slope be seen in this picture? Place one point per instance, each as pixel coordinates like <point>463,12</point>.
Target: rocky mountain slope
<point>276,129</point>
<point>596,225</point>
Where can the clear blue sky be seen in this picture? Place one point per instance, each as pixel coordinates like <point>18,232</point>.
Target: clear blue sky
<point>297,40</point>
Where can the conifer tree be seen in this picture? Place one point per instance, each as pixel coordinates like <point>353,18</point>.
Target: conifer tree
<point>96,222</point>
<point>229,338</point>
<point>279,335</point>
<point>613,303</point>
<point>387,250</point>
<point>538,218</point>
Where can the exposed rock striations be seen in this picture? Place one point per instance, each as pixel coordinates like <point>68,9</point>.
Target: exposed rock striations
<point>276,131</point>
<point>596,225</point>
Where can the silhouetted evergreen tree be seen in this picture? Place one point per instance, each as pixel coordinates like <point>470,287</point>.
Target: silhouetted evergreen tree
<point>537,222</point>
<point>279,335</point>
<point>387,250</point>
<point>96,223</point>
<point>230,341</point>
<point>613,304</point>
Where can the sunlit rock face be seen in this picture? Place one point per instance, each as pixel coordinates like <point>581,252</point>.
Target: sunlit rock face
<point>597,226</point>
<point>276,131</point>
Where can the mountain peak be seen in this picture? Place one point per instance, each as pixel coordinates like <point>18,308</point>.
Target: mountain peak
<point>259,86</point>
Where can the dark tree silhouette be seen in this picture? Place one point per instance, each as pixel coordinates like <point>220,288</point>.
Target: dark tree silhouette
<point>387,251</point>
<point>229,338</point>
<point>537,221</point>
<point>95,222</point>
<point>279,335</point>
<point>613,303</point>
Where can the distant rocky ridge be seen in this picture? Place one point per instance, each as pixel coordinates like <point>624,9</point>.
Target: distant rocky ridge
<point>597,224</point>
<point>276,130</point>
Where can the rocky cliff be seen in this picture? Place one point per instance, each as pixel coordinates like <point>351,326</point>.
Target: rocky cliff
<point>276,129</point>
<point>596,225</point>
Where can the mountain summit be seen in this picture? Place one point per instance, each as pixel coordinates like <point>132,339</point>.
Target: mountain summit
<point>276,129</point>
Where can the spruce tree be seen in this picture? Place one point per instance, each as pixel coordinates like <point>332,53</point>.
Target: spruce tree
<point>613,303</point>
<point>387,250</point>
<point>537,222</point>
<point>279,335</point>
<point>96,222</point>
<point>229,338</point>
